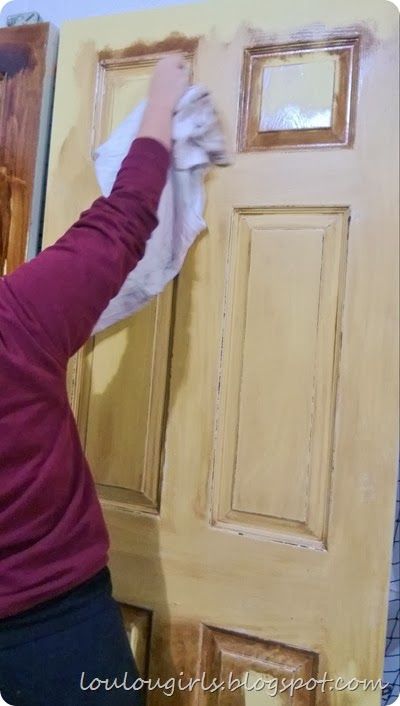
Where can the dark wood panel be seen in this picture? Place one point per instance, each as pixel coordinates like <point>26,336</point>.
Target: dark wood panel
<point>4,215</point>
<point>23,56</point>
<point>231,659</point>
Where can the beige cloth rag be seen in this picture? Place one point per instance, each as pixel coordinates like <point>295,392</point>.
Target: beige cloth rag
<point>198,143</point>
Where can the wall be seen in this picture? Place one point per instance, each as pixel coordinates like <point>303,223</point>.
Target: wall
<point>57,11</point>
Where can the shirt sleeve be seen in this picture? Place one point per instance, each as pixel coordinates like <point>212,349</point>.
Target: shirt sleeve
<point>61,293</point>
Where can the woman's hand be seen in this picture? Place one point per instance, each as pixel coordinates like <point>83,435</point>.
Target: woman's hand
<point>169,82</point>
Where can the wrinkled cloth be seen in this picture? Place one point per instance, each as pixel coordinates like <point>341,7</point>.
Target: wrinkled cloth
<point>198,142</point>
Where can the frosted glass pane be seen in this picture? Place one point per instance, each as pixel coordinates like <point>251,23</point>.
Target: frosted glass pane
<point>297,96</point>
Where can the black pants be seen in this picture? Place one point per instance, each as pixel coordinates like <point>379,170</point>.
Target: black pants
<point>55,654</point>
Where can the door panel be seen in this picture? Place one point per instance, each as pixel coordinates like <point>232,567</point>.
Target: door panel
<point>275,426</point>
<point>129,473</point>
<point>242,427</point>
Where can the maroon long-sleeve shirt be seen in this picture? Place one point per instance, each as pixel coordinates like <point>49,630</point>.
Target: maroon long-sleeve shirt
<point>52,533</point>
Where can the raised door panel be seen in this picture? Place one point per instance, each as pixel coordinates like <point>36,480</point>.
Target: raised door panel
<point>126,368</point>
<point>284,285</point>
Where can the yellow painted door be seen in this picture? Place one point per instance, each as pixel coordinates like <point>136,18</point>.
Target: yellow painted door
<point>242,428</point>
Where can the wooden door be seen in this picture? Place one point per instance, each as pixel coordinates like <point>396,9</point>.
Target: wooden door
<point>27,71</point>
<point>242,428</point>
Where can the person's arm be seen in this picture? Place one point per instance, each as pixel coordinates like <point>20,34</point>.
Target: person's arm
<point>60,294</point>
<point>170,79</point>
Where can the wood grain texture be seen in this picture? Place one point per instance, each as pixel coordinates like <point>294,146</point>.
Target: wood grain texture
<point>13,220</point>
<point>26,57</point>
<point>4,216</point>
<point>175,562</point>
<point>231,658</point>
<point>19,223</point>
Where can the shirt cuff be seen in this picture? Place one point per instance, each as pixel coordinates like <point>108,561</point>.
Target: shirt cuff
<point>150,148</point>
